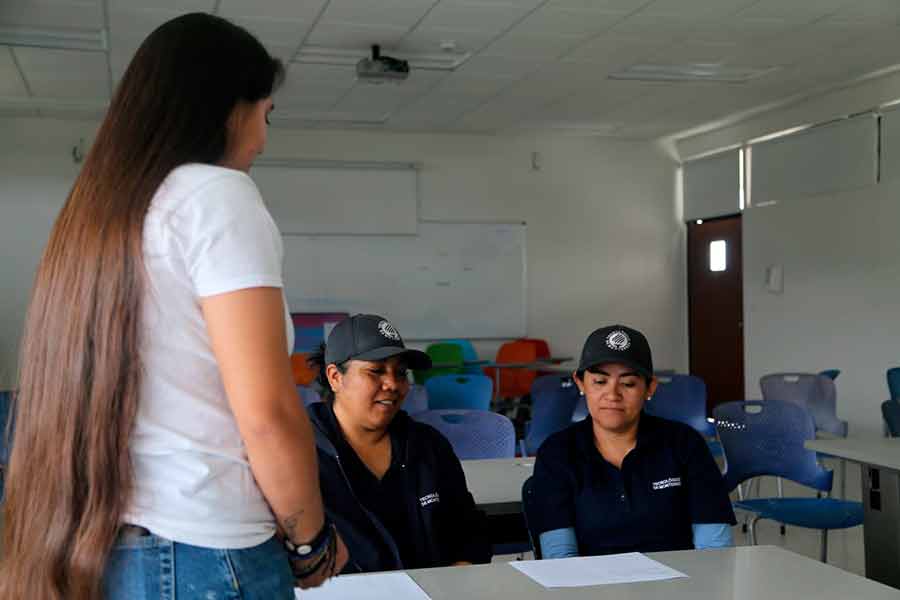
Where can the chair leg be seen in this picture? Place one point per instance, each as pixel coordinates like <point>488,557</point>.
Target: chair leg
<point>780,484</point>
<point>753,529</point>
<point>823,546</point>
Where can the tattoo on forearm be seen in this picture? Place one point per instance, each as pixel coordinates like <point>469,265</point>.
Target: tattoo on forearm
<point>290,524</point>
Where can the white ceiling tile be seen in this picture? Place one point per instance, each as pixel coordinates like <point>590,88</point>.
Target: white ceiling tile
<point>176,6</point>
<point>500,66</point>
<point>64,73</point>
<point>794,11</point>
<point>870,10</point>
<point>743,31</point>
<point>428,40</point>
<point>534,46</point>
<point>555,21</point>
<point>461,84</point>
<point>77,14</point>
<point>394,13</point>
<point>703,10</point>
<point>473,17</point>
<point>278,32</point>
<point>325,75</point>
<point>661,29</point>
<point>11,83</point>
<point>339,35</point>
<point>615,51</point>
<point>624,5</point>
<point>135,23</point>
<point>693,52</point>
<point>295,10</point>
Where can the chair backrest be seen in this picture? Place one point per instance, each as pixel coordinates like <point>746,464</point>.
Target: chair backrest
<point>553,399</point>
<point>831,373</point>
<point>515,382</point>
<point>893,382</point>
<point>303,373</point>
<point>816,393</point>
<point>581,410</point>
<point>890,409</point>
<point>459,392</point>
<point>5,416</point>
<point>541,347</point>
<point>469,354</point>
<point>308,395</point>
<point>416,399</point>
<point>766,438</point>
<point>528,510</point>
<point>442,353</point>
<point>681,398</point>
<point>474,434</point>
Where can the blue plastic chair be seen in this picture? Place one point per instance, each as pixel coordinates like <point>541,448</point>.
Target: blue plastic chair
<point>893,382</point>
<point>831,373</point>
<point>890,409</point>
<point>766,438</point>
<point>469,355</point>
<point>682,398</point>
<point>472,392</point>
<point>816,393</point>
<point>553,400</point>
<point>416,399</point>
<point>474,434</point>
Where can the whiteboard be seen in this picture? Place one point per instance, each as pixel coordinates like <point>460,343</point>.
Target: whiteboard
<point>450,280</point>
<point>320,199</point>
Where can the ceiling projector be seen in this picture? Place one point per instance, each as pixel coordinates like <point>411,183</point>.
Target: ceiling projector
<point>381,69</point>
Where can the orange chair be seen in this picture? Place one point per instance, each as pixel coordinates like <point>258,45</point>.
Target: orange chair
<point>543,351</point>
<point>303,373</point>
<point>514,382</point>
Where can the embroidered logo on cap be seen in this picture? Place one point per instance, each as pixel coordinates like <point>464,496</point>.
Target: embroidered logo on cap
<point>388,331</point>
<point>618,340</point>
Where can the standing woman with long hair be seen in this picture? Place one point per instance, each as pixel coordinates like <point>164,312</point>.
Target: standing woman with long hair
<point>159,440</point>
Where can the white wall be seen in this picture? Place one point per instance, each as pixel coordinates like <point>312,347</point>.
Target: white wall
<point>604,243</point>
<point>841,258</point>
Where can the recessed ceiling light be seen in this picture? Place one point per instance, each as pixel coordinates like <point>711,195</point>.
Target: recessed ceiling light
<point>319,55</point>
<point>57,39</point>
<point>691,72</point>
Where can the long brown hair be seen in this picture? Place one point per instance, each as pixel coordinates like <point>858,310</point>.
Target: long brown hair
<point>70,472</point>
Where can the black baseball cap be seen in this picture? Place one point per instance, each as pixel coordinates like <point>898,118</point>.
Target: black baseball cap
<point>370,337</point>
<point>617,344</point>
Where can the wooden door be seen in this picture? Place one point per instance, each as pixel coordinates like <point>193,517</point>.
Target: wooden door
<point>716,307</point>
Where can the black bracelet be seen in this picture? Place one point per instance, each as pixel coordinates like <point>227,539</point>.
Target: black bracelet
<point>328,558</point>
<point>314,546</point>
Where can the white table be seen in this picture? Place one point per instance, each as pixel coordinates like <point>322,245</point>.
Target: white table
<point>880,459</point>
<point>742,573</point>
<point>496,483</point>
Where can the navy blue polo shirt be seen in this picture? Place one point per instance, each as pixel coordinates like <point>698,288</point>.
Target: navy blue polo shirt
<point>667,483</point>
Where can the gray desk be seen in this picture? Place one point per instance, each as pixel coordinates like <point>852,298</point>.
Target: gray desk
<point>496,483</point>
<point>880,459</point>
<point>743,573</point>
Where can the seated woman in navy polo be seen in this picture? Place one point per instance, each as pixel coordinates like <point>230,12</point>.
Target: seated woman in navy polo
<point>393,486</point>
<point>622,480</point>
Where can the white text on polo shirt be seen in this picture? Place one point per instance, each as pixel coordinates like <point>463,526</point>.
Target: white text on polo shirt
<point>667,483</point>
<point>429,499</point>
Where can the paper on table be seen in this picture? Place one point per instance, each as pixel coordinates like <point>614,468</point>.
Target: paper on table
<point>595,570</point>
<point>372,586</point>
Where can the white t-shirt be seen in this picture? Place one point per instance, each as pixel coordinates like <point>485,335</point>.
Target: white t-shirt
<point>207,232</point>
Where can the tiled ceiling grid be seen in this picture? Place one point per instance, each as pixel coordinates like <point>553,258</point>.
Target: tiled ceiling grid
<point>532,64</point>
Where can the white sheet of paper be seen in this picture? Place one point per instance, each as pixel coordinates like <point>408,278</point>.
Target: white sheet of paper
<point>372,586</point>
<point>595,570</point>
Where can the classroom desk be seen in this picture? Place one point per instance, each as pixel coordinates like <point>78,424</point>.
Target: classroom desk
<point>742,573</point>
<point>880,461</point>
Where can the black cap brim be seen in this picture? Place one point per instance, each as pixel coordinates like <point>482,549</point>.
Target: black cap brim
<point>415,359</point>
<point>617,360</point>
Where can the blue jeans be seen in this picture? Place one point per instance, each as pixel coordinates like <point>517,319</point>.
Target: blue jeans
<point>146,566</point>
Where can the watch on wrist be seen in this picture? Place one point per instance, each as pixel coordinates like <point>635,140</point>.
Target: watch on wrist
<point>312,548</point>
